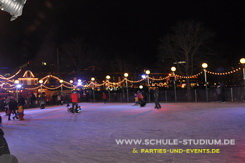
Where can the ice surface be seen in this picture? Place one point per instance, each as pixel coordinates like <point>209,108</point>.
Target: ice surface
<point>53,135</point>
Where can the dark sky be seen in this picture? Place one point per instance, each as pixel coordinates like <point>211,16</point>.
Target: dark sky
<point>117,27</point>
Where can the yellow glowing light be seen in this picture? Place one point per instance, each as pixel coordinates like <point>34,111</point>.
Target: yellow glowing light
<point>242,60</point>
<point>107,77</point>
<point>173,69</point>
<point>204,65</point>
<point>16,81</point>
<point>147,72</point>
<point>125,75</point>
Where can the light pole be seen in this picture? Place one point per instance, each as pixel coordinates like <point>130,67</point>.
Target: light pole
<point>41,84</point>
<point>17,85</point>
<point>148,83</point>
<point>173,69</point>
<point>71,82</point>
<point>93,79</point>
<point>61,88</point>
<point>126,75</point>
<point>242,61</point>
<point>204,66</point>
<point>108,78</point>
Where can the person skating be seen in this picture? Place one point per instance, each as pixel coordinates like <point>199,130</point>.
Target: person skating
<point>156,97</point>
<point>220,92</point>
<point>104,97</point>
<point>42,101</point>
<point>136,99</point>
<point>142,101</point>
<point>7,100</point>
<point>2,107</point>
<point>33,100</point>
<point>74,100</point>
<point>13,106</point>
<point>21,104</point>
<point>67,99</point>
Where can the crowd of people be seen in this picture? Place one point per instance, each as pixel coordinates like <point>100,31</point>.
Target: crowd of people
<point>12,106</point>
<point>15,107</point>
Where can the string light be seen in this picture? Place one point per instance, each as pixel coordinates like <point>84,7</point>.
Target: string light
<point>189,77</point>
<point>2,77</point>
<point>224,73</point>
<point>45,79</point>
<point>131,81</point>
<point>160,79</point>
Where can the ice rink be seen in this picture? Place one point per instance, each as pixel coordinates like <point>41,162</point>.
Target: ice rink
<point>53,135</point>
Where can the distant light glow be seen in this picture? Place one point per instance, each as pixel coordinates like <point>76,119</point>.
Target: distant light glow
<point>143,76</point>
<point>18,86</point>
<point>79,84</point>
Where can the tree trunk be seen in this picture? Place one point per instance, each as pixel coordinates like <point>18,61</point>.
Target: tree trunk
<point>188,82</point>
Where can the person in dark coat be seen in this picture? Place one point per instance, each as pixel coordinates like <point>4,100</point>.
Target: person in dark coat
<point>104,97</point>
<point>156,97</point>
<point>220,92</point>
<point>21,101</point>
<point>222,87</point>
<point>5,155</point>
<point>33,100</point>
<point>4,149</point>
<point>13,106</point>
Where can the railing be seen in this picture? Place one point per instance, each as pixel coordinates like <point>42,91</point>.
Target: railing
<point>235,94</point>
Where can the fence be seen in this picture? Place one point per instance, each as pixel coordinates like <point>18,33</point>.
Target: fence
<point>197,95</point>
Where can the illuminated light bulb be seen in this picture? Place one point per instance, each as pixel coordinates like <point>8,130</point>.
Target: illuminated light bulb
<point>13,7</point>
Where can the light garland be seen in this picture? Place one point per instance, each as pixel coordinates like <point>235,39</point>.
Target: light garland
<point>131,81</point>
<point>98,85</point>
<point>224,73</point>
<point>8,81</point>
<point>33,88</point>
<point>67,87</point>
<point>2,77</point>
<point>160,79</point>
<point>52,88</point>
<point>189,77</point>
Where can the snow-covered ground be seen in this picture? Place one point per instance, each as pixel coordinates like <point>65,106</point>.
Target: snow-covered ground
<point>53,135</point>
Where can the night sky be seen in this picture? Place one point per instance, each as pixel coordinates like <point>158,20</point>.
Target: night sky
<point>130,28</point>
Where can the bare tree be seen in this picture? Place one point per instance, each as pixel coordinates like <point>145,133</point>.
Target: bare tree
<point>78,55</point>
<point>123,65</point>
<point>187,42</point>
